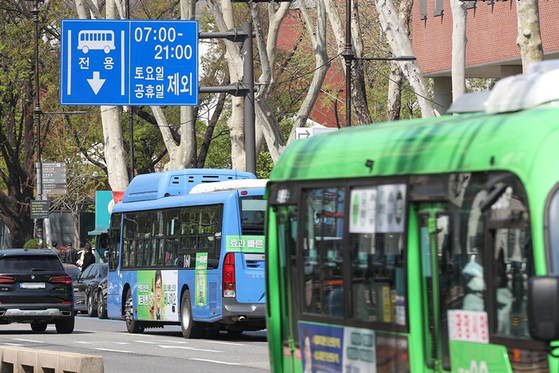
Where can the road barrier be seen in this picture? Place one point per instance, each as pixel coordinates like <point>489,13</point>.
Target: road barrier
<point>27,360</point>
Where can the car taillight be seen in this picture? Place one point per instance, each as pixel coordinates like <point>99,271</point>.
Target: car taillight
<point>6,280</point>
<point>229,276</point>
<point>60,280</point>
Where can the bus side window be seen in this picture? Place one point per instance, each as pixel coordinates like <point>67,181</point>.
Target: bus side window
<point>322,251</point>
<point>513,262</point>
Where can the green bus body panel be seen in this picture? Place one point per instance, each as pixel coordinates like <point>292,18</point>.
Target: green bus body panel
<point>478,357</point>
<point>457,143</point>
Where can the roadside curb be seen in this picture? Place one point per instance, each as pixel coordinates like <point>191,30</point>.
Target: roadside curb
<point>21,359</point>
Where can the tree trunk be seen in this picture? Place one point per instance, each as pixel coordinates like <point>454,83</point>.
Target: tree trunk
<point>358,92</point>
<point>529,35</point>
<point>318,38</point>
<point>266,123</point>
<point>396,81</point>
<point>401,46</point>
<point>223,17</point>
<point>459,40</point>
<point>395,84</point>
<point>115,156</point>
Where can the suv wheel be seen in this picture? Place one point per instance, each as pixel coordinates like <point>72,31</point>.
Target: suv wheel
<point>101,309</point>
<point>91,306</point>
<point>65,325</point>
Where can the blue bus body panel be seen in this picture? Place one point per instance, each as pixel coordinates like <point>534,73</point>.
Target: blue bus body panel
<point>249,259</point>
<point>156,185</point>
<point>250,278</point>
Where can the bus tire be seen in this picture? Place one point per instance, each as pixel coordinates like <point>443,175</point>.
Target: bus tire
<point>133,326</point>
<point>189,327</point>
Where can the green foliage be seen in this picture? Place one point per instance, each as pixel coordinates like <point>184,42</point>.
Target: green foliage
<point>264,165</point>
<point>31,244</point>
<point>219,153</point>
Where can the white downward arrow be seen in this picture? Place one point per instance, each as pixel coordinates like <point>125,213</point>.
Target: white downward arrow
<point>96,83</point>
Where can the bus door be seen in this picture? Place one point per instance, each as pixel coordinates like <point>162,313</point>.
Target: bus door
<point>287,266</point>
<point>434,243</point>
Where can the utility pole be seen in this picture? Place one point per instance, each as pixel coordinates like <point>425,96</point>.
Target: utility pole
<point>37,113</point>
<point>130,117</point>
<point>244,88</point>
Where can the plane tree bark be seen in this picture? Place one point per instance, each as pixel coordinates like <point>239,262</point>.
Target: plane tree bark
<point>529,34</point>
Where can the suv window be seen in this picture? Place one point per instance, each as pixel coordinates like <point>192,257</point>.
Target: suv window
<point>29,263</point>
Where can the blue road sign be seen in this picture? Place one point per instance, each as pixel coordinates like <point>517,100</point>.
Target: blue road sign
<point>129,62</point>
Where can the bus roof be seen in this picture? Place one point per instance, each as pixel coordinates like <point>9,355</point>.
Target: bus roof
<point>196,199</point>
<point>229,185</point>
<point>157,185</point>
<point>507,140</point>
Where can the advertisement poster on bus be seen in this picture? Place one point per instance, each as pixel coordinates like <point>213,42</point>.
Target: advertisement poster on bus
<point>378,209</point>
<point>201,279</point>
<point>328,348</point>
<point>157,295</point>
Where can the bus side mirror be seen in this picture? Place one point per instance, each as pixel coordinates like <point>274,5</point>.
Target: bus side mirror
<point>543,307</point>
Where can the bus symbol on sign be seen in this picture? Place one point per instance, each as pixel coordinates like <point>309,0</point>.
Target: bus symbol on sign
<point>96,40</point>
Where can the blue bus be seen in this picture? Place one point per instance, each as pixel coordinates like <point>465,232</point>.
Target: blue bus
<point>187,248</point>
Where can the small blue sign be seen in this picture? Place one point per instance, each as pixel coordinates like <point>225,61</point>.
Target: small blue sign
<point>129,62</point>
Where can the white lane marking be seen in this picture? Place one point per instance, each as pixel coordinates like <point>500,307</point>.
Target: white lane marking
<point>149,342</point>
<point>110,342</point>
<point>27,340</point>
<point>171,341</point>
<point>188,348</point>
<point>215,361</point>
<point>113,350</point>
<point>226,343</point>
<point>12,344</point>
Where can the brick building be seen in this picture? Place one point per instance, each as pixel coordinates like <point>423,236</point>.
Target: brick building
<point>491,50</point>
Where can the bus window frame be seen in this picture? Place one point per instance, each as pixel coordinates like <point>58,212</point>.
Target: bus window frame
<point>436,194</point>
<point>491,226</point>
<point>552,198</point>
<point>158,242</point>
<point>298,189</point>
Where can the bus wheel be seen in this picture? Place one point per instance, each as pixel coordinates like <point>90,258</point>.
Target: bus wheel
<point>189,327</point>
<point>133,326</point>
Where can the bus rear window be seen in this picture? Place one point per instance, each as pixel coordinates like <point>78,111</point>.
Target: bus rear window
<point>252,215</point>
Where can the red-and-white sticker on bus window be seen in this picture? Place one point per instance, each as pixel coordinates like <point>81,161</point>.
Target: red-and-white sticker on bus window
<point>470,326</point>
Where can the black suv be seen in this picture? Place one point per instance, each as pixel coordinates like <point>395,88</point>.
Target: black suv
<point>35,289</point>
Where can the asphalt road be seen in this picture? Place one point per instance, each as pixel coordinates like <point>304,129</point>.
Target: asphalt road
<point>155,350</point>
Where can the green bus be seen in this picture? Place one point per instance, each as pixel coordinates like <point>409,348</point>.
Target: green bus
<point>425,245</point>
